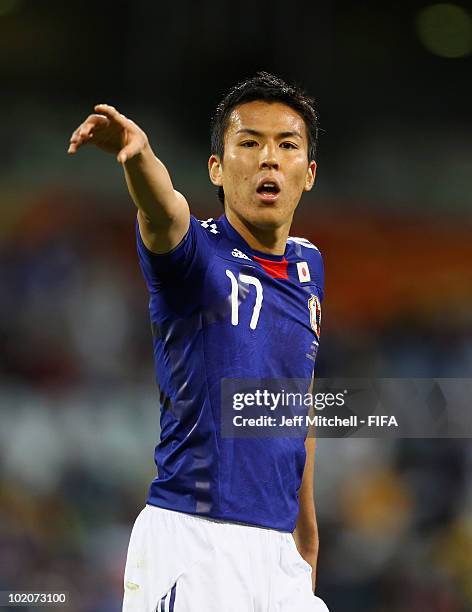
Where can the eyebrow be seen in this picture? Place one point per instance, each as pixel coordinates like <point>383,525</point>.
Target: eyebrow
<point>280,135</point>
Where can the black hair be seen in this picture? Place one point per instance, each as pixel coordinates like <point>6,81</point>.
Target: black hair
<point>267,87</point>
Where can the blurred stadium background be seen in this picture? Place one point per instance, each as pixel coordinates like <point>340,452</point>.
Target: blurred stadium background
<point>391,213</point>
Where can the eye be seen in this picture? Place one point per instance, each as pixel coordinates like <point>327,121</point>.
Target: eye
<point>249,143</point>
<point>288,145</point>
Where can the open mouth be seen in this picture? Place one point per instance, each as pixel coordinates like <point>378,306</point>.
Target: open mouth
<point>268,189</point>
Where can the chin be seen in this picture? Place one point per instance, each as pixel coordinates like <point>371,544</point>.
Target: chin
<point>268,217</point>
<point>263,216</point>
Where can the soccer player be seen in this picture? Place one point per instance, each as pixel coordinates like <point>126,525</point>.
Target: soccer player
<point>232,298</point>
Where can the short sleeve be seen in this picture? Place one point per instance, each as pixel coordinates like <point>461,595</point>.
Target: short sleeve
<point>188,258</point>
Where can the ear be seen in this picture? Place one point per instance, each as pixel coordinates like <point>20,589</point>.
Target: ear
<point>310,176</point>
<point>215,170</point>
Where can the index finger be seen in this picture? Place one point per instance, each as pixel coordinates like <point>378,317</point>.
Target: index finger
<point>111,113</point>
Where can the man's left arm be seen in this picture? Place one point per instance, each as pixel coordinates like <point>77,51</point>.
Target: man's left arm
<point>306,530</point>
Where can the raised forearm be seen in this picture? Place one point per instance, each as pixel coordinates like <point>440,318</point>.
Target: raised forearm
<point>151,188</point>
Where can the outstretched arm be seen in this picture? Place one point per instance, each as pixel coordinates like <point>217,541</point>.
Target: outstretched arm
<point>163,213</point>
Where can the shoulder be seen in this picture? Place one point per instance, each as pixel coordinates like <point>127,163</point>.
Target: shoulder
<point>208,231</point>
<point>304,252</point>
<point>303,242</point>
<point>210,225</point>
<point>305,249</point>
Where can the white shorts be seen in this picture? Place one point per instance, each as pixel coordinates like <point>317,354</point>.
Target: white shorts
<point>183,563</point>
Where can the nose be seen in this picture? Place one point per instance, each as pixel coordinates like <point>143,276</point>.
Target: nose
<point>268,159</point>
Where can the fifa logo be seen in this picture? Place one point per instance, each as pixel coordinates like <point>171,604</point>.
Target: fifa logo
<point>314,308</point>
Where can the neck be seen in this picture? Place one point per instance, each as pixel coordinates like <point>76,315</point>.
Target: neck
<point>268,240</point>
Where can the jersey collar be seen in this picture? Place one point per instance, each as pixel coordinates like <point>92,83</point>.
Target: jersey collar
<point>236,237</point>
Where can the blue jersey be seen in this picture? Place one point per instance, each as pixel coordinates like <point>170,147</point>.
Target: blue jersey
<point>221,310</point>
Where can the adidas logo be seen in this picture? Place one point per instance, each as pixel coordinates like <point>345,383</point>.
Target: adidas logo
<point>210,225</point>
<point>240,254</point>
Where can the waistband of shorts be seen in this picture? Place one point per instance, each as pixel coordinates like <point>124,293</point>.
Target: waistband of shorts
<point>209,519</point>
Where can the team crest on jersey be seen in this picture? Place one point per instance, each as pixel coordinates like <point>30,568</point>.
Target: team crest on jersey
<point>314,307</point>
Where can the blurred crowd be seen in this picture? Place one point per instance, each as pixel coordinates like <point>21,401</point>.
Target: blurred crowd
<point>79,419</point>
